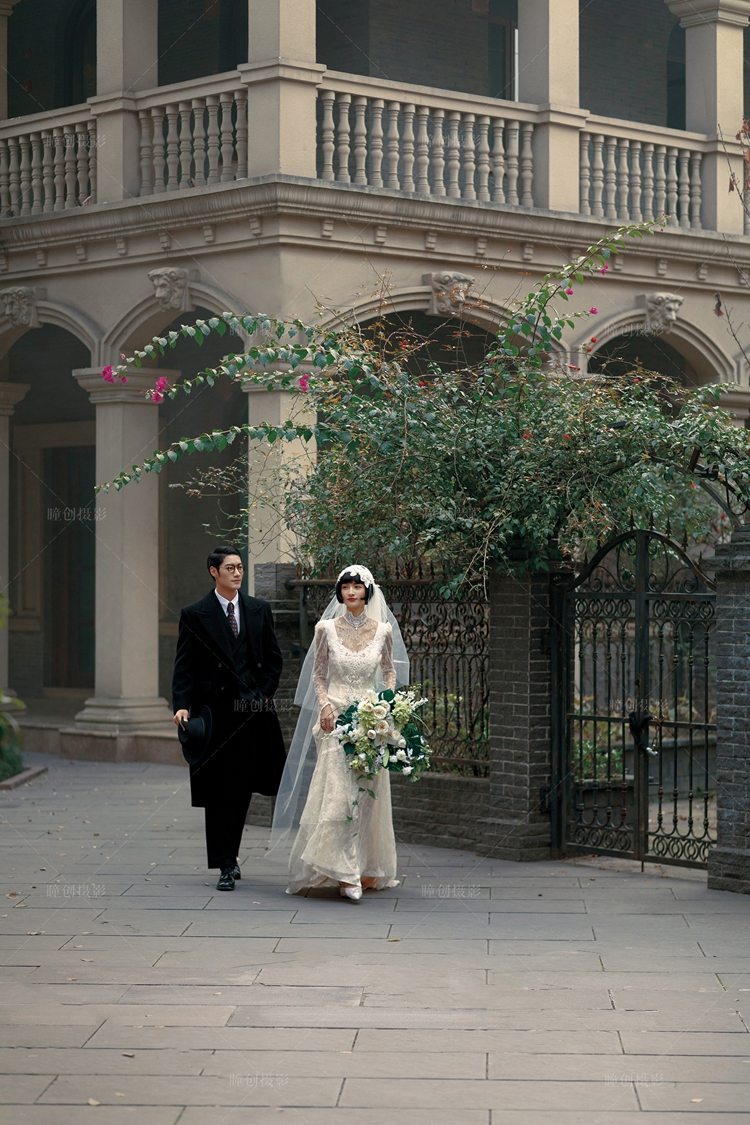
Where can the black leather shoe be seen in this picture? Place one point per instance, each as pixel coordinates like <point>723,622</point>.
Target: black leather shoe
<point>226,880</point>
<point>236,874</point>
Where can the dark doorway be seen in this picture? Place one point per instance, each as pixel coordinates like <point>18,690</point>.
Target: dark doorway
<point>676,79</point>
<point>502,39</point>
<point>620,355</point>
<point>450,344</point>
<point>78,52</point>
<point>69,550</point>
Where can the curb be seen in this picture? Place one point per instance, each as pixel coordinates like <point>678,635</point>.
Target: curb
<point>23,777</point>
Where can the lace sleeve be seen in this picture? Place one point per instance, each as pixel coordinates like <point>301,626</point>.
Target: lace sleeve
<point>320,667</point>
<point>386,659</point>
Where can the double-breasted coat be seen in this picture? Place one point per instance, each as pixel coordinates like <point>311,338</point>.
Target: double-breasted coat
<point>234,678</point>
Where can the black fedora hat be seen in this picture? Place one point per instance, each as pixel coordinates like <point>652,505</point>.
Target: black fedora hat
<point>196,735</point>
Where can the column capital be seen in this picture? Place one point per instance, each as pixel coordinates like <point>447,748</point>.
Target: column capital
<point>139,380</point>
<point>11,393</point>
<point>7,6</point>
<point>693,13</point>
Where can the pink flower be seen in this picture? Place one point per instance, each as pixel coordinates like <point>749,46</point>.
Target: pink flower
<point>303,382</point>
<point>593,310</point>
<point>569,291</point>
<point>161,383</point>
<point>108,375</point>
<point>122,378</point>
<point>604,269</point>
<point>156,396</point>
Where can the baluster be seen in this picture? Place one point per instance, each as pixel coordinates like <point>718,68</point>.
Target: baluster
<point>173,148</point>
<point>200,139</point>
<point>4,179</point>
<point>59,136</point>
<point>453,159</point>
<point>185,144</point>
<point>342,148</point>
<point>696,191</point>
<point>511,162</point>
<point>71,179</point>
<point>623,179</point>
<point>597,176</point>
<point>438,152</point>
<point>82,162</point>
<point>498,160</point>
<point>376,143</point>
<point>360,140</point>
<point>468,154</point>
<point>635,182</point>
<point>147,156</point>
<point>584,175</point>
<point>227,138</point>
<point>37,198</point>
<point>157,149</point>
<point>527,165</point>
<point>684,187</point>
<point>212,139</point>
<point>93,156</point>
<point>407,149</point>
<point>423,151</point>
<point>240,100</point>
<point>660,182</point>
<point>392,152</point>
<point>25,143</point>
<point>327,133</point>
<point>610,178</point>
<point>647,199</point>
<point>15,175</point>
<point>672,219</point>
<point>483,159</point>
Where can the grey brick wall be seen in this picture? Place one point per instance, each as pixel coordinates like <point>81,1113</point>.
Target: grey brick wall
<point>519,676</point>
<point>729,863</point>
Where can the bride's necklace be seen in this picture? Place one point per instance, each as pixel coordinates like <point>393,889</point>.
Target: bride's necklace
<point>355,622</point>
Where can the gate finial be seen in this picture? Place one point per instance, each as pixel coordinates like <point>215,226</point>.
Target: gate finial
<point>669,529</point>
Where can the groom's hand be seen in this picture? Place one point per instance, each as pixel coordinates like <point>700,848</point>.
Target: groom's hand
<point>180,718</point>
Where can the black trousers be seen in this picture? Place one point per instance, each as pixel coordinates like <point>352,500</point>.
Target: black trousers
<point>225,822</point>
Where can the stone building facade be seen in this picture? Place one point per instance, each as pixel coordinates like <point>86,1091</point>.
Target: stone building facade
<point>165,159</point>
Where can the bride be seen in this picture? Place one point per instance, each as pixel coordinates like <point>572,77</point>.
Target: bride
<point>345,834</point>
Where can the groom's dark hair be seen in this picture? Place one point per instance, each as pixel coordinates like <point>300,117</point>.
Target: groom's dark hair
<point>348,576</point>
<point>217,556</point>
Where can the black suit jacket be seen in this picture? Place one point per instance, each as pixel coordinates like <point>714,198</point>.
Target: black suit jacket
<point>204,667</point>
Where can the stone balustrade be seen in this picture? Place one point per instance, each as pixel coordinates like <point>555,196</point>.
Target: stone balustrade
<point>48,162</point>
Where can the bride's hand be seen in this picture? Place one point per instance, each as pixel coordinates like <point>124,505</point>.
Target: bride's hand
<point>326,719</point>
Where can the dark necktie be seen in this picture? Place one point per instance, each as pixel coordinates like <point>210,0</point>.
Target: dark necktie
<point>232,619</point>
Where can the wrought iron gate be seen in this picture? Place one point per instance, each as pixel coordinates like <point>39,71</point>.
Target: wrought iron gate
<point>447,642</point>
<point>634,722</point>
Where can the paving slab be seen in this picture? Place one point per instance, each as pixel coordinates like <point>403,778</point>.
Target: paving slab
<point>477,992</point>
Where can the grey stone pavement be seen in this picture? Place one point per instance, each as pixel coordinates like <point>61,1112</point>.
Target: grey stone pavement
<point>476,993</point>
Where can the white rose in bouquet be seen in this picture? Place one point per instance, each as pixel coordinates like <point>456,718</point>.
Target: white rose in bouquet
<point>401,755</point>
<point>381,710</point>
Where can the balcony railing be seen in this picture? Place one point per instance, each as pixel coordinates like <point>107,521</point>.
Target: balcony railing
<point>423,141</point>
<point>48,162</point>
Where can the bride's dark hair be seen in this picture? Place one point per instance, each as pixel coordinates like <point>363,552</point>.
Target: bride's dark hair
<point>350,576</point>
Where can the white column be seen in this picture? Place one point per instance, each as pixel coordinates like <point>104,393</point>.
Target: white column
<point>714,100</point>
<point>10,395</point>
<point>127,560</point>
<point>268,540</point>
<point>548,77</point>
<point>282,76</point>
<point>6,9</point>
<point>126,62</point>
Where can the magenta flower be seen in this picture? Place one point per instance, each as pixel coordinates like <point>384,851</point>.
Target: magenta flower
<point>604,269</point>
<point>122,378</point>
<point>569,291</point>
<point>156,396</point>
<point>303,382</point>
<point>108,375</point>
<point>593,310</point>
<point>162,383</point>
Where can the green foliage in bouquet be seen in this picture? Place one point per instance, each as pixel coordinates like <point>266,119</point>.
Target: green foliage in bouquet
<point>382,731</point>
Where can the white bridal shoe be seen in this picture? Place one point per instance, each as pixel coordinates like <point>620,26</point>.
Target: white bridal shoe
<point>354,893</point>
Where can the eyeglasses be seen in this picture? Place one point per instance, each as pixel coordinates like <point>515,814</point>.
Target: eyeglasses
<point>232,567</point>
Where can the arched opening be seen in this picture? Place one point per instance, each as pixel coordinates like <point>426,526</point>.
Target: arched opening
<point>78,54</point>
<point>450,343</point>
<point>621,354</point>
<point>53,520</point>
<point>676,79</point>
<point>190,526</point>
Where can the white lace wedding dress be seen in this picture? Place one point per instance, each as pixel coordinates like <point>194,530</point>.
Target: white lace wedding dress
<point>344,834</point>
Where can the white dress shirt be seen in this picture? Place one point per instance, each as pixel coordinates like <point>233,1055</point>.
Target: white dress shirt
<point>235,601</point>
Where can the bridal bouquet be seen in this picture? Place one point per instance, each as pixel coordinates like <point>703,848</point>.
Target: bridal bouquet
<point>381,731</point>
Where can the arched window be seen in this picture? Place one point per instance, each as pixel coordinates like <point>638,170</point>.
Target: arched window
<point>78,52</point>
<point>676,79</point>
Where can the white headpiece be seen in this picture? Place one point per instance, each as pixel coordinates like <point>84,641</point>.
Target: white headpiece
<point>361,572</point>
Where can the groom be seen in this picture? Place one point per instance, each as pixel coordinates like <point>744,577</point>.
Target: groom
<point>228,659</point>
